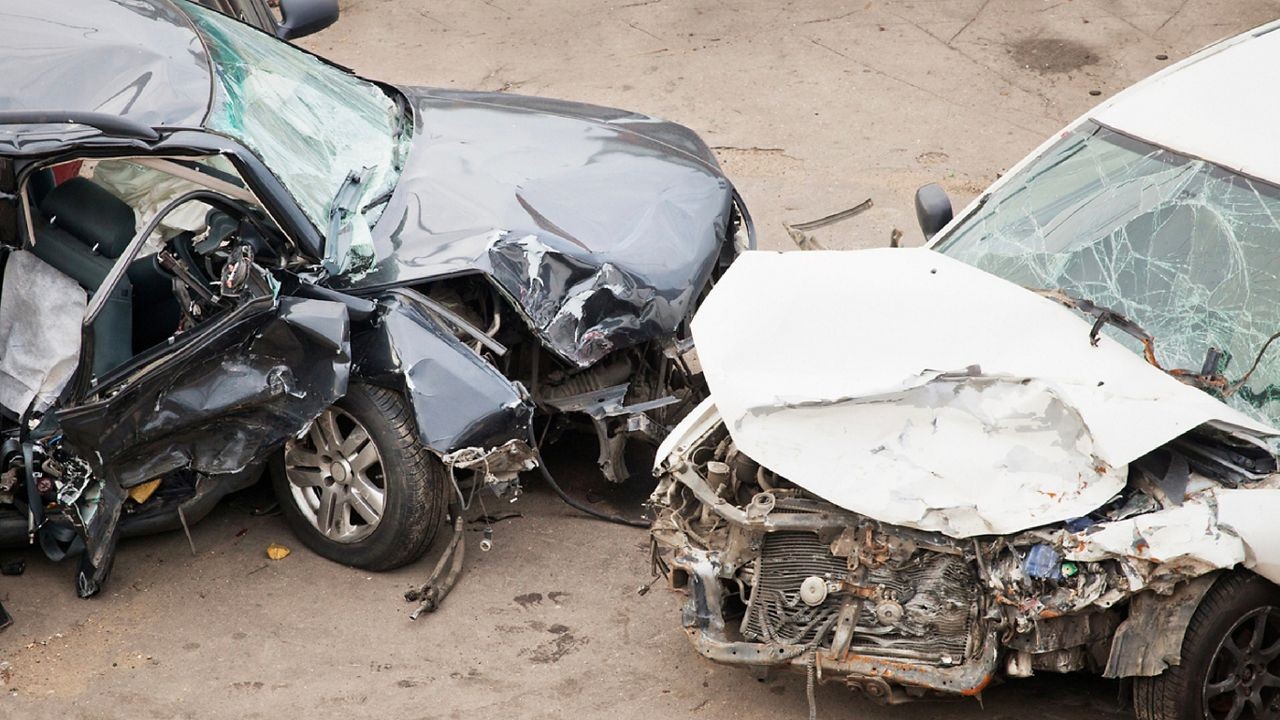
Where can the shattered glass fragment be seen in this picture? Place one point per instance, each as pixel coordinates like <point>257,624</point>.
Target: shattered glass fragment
<point>1043,563</point>
<point>1184,248</point>
<point>309,121</point>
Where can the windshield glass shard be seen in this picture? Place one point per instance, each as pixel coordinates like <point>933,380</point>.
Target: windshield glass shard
<point>310,122</point>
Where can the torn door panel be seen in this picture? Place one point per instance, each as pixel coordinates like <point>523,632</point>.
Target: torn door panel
<point>459,400</point>
<point>223,403</point>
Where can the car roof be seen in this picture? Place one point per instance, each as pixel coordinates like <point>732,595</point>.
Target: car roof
<point>140,59</point>
<point>1216,105</point>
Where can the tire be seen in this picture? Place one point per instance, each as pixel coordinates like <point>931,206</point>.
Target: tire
<point>1229,613</point>
<point>346,477</point>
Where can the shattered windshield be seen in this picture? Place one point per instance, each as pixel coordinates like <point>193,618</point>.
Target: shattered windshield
<point>311,123</point>
<point>1185,249</point>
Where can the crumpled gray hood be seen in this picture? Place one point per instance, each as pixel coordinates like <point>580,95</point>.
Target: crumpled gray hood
<point>909,387</point>
<point>601,226</point>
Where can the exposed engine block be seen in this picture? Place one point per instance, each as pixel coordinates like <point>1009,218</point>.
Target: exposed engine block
<point>922,607</point>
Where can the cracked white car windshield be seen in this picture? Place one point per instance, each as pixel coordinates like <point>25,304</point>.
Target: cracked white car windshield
<point>310,122</point>
<point>1184,248</point>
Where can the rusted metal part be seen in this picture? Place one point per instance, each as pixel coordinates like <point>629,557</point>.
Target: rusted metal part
<point>765,522</point>
<point>799,232</point>
<point>705,625</point>
<point>746,556</point>
<point>1207,379</point>
<point>967,679</point>
<point>433,591</point>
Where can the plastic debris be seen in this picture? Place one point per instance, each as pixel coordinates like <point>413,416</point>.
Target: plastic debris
<point>1043,563</point>
<point>141,493</point>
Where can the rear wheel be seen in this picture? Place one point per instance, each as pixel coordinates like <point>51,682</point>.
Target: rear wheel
<point>359,488</point>
<point>1230,667</point>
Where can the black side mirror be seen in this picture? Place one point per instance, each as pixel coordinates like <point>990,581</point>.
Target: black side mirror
<point>304,17</point>
<point>933,209</point>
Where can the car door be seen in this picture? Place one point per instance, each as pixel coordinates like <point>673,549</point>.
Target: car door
<point>219,399</point>
<point>216,399</point>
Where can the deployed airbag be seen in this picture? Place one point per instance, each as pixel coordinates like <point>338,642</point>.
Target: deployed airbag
<point>41,311</point>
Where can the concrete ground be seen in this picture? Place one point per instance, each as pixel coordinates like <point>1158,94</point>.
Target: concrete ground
<point>812,107</point>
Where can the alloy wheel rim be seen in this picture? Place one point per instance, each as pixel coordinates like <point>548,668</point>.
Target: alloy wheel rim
<point>336,477</point>
<point>1243,681</point>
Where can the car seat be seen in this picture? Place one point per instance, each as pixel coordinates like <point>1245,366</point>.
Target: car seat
<point>88,229</point>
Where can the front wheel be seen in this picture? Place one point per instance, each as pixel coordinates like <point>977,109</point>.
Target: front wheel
<point>360,488</point>
<point>1230,668</point>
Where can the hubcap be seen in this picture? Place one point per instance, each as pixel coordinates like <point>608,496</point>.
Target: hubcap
<point>336,477</point>
<point>1244,675</point>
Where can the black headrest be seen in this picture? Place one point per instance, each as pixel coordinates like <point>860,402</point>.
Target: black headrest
<point>90,213</point>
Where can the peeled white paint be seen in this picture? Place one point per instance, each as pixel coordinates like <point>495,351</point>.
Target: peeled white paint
<point>1188,535</point>
<point>1251,514</point>
<point>914,389</point>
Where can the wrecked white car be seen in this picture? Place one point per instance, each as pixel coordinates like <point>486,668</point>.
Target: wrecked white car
<point>1047,443</point>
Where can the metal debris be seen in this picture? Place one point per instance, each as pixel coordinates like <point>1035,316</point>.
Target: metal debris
<point>799,232</point>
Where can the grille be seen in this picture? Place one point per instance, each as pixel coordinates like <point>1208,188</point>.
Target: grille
<point>776,612</point>
<point>935,592</point>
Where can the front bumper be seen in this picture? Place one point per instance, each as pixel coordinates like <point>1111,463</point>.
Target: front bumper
<point>880,678</point>
<point>709,571</point>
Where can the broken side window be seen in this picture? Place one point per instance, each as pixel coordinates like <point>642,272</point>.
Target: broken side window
<point>1184,248</point>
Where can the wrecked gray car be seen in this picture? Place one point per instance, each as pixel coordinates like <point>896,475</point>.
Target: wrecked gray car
<point>224,255</point>
<point>1046,443</point>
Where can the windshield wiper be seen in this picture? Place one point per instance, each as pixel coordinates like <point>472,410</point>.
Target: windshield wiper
<point>1105,316</point>
<point>1208,378</point>
<point>382,199</point>
<point>342,209</point>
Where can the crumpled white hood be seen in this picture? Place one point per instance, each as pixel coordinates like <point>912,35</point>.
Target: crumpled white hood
<point>914,389</point>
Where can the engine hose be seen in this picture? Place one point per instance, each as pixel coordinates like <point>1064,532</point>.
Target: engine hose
<point>575,504</point>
